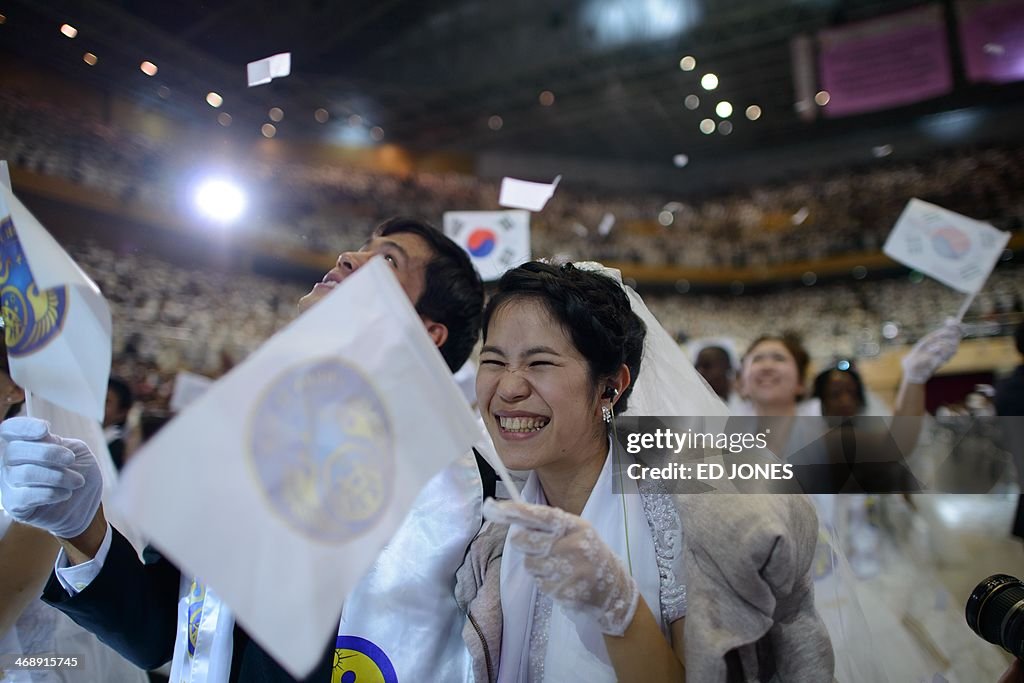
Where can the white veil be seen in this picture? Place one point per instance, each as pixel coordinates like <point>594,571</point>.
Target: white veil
<point>675,388</point>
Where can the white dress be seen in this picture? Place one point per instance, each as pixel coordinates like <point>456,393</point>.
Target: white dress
<point>45,630</point>
<point>542,642</point>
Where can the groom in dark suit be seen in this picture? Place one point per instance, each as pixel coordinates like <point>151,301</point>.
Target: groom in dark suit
<point>133,606</point>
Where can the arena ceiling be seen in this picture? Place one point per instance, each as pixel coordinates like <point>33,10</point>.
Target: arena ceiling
<point>433,74</point>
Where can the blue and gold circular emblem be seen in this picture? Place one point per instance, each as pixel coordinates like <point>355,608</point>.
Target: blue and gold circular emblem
<point>357,660</point>
<point>31,317</point>
<point>323,451</point>
<point>196,598</point>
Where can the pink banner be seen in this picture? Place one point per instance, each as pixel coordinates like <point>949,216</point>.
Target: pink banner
<point>992,36</point>
<point>883,63</point>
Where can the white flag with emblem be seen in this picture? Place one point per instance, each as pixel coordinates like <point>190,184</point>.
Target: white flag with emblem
<point>281,484</point>
<point>56,322</point>
<point>494,240</point>
<point>958,251</point>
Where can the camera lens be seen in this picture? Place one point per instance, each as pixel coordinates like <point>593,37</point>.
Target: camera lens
<point>995,611</point>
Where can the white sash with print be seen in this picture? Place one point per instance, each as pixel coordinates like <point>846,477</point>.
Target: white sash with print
<point>203,644</point>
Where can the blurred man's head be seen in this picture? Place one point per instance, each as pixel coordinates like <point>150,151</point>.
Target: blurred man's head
<point>119,402</point>
<point>435,273</point>
<point>715,366</point>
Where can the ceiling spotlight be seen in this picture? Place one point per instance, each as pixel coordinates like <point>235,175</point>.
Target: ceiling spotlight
<point>495,122</point>
<point>220,200</point>
<point>90,59</point>
<point>321,115</point>
<point>709,81</point>
<point>377,133</point>
<point>687,63</point>
<point>355,120</point>
<point>163,92</point>
<point>214,100</point>
<point>69,30</point>
<point>723,109</point>
<point>725,127</point>
<point>269,130</point>
<point>224,119</point>
<point>680,160</point>
<point>691,102</point>
<point>707,126</point>
<point>822,98</point>
<point>276,114</point>
<point>547,98</point>
<point>148,68</point>
<point>666,218</point>
<point>753,112</point>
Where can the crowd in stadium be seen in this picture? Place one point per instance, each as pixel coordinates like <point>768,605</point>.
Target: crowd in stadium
<point>320,207</point>
<point>170,317</point>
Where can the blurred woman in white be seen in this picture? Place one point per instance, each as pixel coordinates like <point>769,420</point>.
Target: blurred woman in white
<point>28,626</point>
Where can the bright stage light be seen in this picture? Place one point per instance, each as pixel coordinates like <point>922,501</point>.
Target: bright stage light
<point>220,200</point>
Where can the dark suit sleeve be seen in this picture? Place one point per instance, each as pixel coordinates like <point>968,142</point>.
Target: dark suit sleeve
<point>130,606</point>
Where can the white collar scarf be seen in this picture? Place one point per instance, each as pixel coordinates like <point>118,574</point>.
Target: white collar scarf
<point>575,644</point>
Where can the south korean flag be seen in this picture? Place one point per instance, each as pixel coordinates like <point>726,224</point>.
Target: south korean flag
<point>494,240</point>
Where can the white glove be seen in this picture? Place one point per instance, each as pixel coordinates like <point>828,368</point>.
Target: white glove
<point>570,562</point>
<point>931,352</point>
<point>47,481</point>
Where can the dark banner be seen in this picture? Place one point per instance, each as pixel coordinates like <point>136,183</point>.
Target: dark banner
<point>992,39</point>
<point>887,62</point>
<point>818,455</point>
